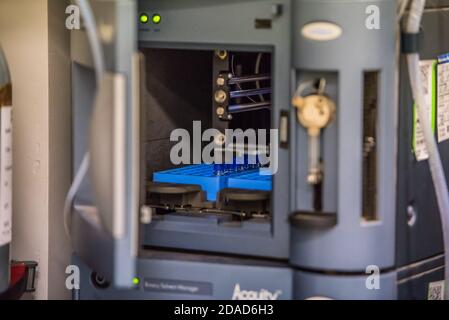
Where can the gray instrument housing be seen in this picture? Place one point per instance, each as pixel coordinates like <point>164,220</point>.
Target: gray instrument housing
<point>353,244</point>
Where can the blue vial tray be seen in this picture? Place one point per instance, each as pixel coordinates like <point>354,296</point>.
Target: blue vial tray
<point>204,176</point>
<point>252,180</point>
<point>200,174</point>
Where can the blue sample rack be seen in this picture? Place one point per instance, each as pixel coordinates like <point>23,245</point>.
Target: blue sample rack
<point>205,176</point>
<point>251,180</point>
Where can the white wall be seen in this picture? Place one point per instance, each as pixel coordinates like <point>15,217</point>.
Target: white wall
<point>35,46</point>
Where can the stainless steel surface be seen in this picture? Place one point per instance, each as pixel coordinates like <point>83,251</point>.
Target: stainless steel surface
<point>257,77</point>
<point>250,92</point>
<point>249,107</point>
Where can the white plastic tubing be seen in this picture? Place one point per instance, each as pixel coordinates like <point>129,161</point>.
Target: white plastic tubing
<point>436,168</point>
<point>99,66</point>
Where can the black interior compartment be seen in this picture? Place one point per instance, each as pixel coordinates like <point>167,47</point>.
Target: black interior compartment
<point>177,89</point>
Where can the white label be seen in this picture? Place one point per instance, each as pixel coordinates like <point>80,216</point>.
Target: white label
<point>426,68</point>
<point>5,175</point>
<point>436,291</point>
<point>321,31</point>
<point>443,102</point>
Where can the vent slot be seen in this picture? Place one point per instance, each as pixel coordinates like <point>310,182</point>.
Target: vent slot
<point>262,23</point>
<point>370,112</point>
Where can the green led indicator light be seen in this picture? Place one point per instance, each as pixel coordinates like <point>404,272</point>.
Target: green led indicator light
<point>157,18</point>
<point>136,281</point>
<point>143,18</point>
